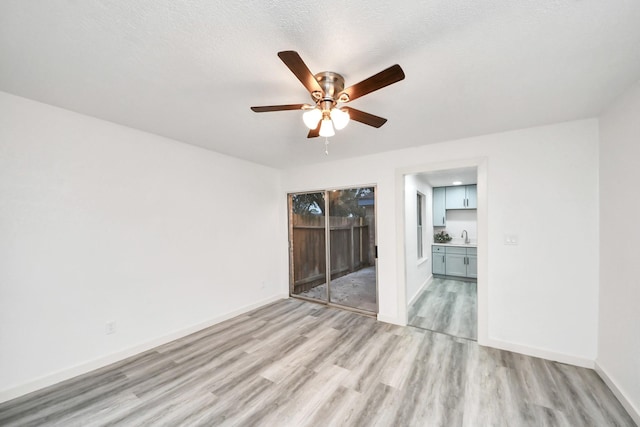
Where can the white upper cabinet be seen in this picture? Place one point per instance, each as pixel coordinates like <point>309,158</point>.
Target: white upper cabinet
<point>472,196</point>
<point>456,197</point>
<point>461,197</point>
<point>439,208</point>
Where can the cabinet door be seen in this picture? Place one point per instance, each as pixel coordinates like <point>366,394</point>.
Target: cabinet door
<point>455,197</point>
<point>455,265</point>
<point>438,265</point>
<point>439,209</point>
<point>472,197</point>
<point>472,266</point>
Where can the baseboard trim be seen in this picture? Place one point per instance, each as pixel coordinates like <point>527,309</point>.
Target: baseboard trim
<point>424,286</point>
<point>541,353</point>
<point>633,412</point>
<point>390,319</point>
<point>83,368</point>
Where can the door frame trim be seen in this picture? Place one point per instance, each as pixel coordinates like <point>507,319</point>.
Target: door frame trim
<point>481,163</point>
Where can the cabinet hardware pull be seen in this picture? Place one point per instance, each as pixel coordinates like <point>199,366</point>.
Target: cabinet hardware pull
<point>443,220</point>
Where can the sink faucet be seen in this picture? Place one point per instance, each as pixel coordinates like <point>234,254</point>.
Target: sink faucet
<point>466,236</point>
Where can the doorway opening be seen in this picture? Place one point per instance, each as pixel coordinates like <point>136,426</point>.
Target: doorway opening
<point>332,248</point>
<point>441,267</point>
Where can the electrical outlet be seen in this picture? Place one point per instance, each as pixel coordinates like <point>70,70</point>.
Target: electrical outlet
<point>110,327</point>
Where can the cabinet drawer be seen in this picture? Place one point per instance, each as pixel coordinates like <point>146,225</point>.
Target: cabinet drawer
<point>472,251</point>
<point>456,250</point>
<point>438,249</point>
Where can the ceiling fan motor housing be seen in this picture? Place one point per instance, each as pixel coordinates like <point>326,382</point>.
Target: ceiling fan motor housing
<point>332,84</point>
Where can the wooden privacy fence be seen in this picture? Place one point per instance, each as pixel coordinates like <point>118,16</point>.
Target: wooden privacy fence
<point>350,248</point>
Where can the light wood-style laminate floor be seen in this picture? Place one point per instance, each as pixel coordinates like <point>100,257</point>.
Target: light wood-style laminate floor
<point>296,363</point>
<point>447,306</point>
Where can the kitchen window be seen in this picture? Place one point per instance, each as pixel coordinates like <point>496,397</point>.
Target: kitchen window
<point>420,203</point>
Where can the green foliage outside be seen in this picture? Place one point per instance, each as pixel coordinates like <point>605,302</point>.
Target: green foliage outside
<point>342,203</point>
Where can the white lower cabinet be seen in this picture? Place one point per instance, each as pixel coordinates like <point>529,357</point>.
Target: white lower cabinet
<point>472,263</point>
<point>438,263</point>
<point>455,261</point>
<point>438,266</point>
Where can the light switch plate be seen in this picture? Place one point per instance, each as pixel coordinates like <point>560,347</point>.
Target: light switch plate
<point>110,327</point>
<point>510,239</point>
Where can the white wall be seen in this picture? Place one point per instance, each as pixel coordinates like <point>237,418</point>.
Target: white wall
<point>99,222</point>
<point>619,320</point>
<point>542,185</point>
<point>418,271</point>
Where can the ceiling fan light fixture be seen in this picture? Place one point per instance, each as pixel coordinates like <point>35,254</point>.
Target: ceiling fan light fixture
<point>326,128</point>
<point>340,118</point>
<point>327,90</point>
<point>311,118</point>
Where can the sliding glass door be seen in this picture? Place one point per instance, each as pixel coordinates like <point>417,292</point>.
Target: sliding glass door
<point>307,246</point>
<point>345,219</point>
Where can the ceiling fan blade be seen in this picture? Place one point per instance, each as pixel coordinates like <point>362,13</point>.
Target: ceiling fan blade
<point>384,78</point>
<point>366,118</point>
<point>300,69</point>
<point>314,133</point>
<point>267,108</point>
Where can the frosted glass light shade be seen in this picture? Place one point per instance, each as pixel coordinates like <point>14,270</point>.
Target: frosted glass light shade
<point>311,118</point>
<point>326,128</point>
<point>340,118</point>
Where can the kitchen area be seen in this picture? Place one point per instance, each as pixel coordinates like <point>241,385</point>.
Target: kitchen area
<point>447,262</point>
<point>455,232</point>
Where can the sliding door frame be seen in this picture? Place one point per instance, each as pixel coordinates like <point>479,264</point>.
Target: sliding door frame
<point>290,227</point>
<point>327,234</point>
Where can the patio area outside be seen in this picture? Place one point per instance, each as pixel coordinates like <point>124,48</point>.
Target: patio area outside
<point>356,289</point>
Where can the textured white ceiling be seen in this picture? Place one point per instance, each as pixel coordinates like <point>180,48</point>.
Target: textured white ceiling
<point>190,70</point>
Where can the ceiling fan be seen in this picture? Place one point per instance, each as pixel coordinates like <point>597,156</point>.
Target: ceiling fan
<point>327,91</point>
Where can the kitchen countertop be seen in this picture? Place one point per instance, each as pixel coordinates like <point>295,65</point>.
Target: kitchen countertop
<point>460,245</point>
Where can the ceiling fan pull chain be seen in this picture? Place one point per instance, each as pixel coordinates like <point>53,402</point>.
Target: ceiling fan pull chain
<point>326,146</point>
